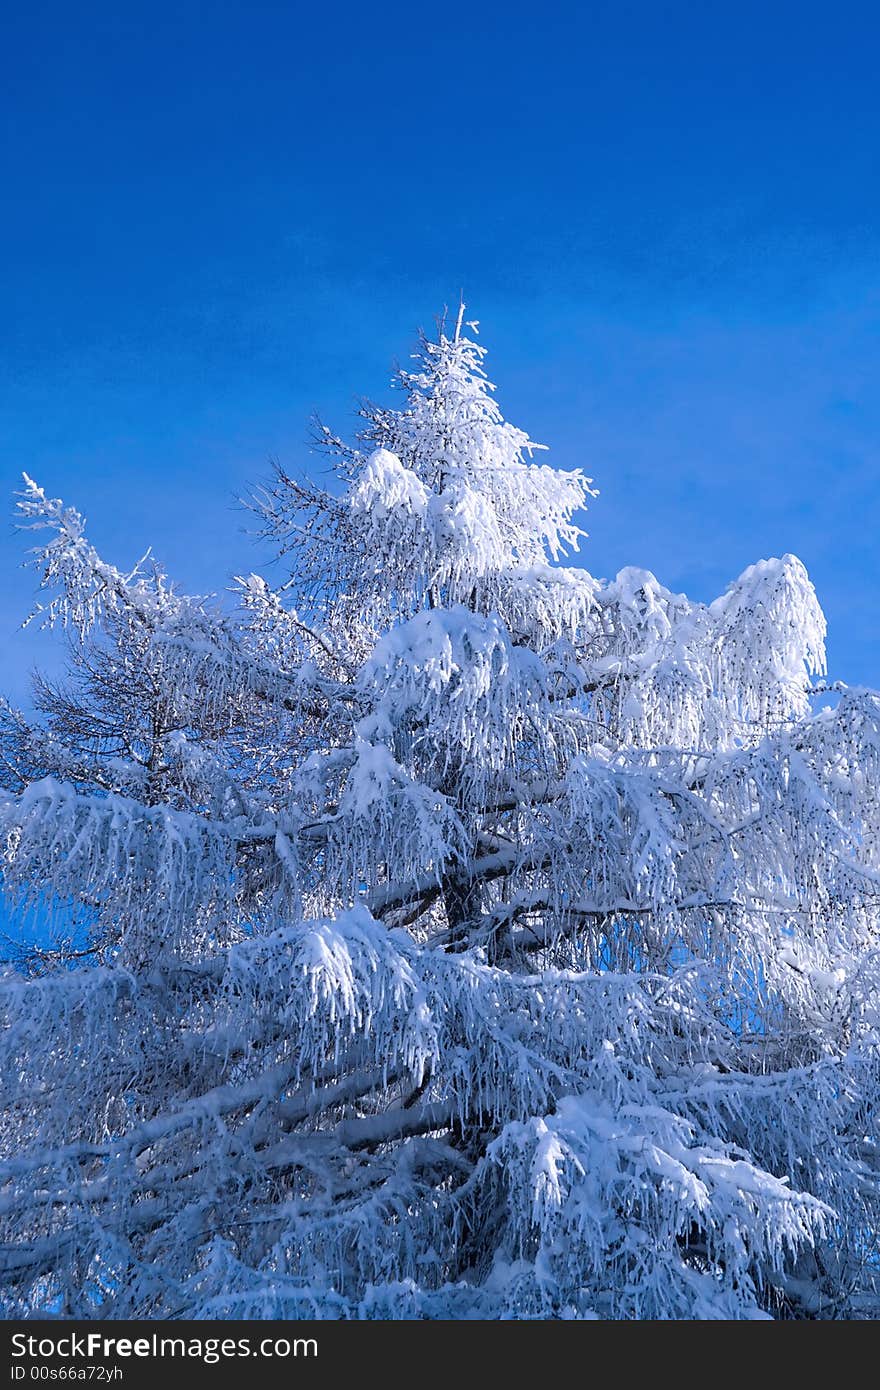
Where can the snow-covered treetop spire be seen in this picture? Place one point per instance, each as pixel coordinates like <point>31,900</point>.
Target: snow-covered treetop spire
<point>446,482</point>
<point>495,507</point>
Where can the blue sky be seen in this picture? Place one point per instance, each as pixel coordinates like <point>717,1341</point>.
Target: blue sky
<point>220,218</point>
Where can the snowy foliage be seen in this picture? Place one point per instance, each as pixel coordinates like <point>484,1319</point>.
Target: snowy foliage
<point>446,933</point>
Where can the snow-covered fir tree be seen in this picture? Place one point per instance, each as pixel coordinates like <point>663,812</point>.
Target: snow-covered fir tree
<point>444,933</point>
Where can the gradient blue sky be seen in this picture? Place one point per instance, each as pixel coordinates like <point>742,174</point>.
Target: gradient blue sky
<point>220,218</point>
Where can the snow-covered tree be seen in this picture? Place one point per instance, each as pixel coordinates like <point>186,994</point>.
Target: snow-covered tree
<point>445,933</point>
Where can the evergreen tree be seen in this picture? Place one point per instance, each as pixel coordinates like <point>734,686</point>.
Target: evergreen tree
<point>446,933</point>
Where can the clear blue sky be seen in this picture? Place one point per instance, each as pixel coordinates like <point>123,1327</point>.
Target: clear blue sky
<point>220,218</point>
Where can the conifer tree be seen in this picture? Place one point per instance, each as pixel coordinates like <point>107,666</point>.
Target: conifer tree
<point>446,932</point>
